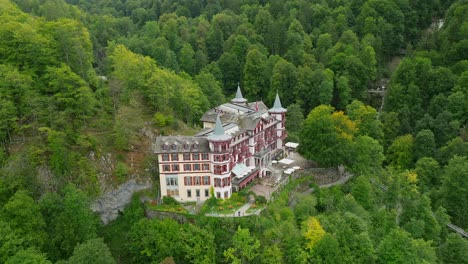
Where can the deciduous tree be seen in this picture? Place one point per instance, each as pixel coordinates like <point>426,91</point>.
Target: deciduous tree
<point>92,251</point>
<point>313,232</point>
<point>424,144</point>
<point>254,81</point>
<point>398,247</point>
<point>400,153</point>
<point>453,190</point>
<point>327,136</point>
<point>28,256</point>
<point>245,247</point>
<point>25,218</point>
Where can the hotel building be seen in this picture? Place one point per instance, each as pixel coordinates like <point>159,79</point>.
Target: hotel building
<point>237,143</point>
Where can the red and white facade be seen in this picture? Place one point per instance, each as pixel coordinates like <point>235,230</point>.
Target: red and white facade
<point>237,144</point>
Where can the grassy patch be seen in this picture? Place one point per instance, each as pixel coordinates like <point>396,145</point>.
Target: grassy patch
<point>224,206</point>
<point>254,208</point>
<point>176,208</point>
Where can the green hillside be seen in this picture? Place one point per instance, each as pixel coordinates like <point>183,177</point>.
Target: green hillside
<point>379,86</point>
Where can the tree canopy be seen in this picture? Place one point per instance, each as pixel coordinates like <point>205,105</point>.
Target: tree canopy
<point>378,86</point>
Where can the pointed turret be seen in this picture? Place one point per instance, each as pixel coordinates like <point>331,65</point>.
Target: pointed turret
<point>218,132</point>
<point>279,113</point>
<point>218,129</point>
<point>239,99</point>
<point>277,107</point>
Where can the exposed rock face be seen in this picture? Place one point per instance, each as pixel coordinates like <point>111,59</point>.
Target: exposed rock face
<point>106,164</point>
<point>114,201</point>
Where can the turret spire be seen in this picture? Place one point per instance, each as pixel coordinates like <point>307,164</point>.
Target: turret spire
<point>277,107</point>
<point>239,98</point>
<point>218,132</point>
<point>218,129</point>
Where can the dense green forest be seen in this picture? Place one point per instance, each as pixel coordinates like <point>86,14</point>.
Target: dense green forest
<point>80,79</point>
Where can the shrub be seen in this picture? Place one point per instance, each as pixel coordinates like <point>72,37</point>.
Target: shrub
<point>159,120</point>
<point>212,202</point>
<point>260,199</point>
<point>235,197</point>
<point>121,137</point>
<point>169,200</point>
<point>121,170</point>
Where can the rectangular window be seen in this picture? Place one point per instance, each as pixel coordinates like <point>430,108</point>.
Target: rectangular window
<point>205,156</point>
<point>196,156</point>
<point>218,195</point>
<point>196,167</point>
<point>187,167</point>
<point>198,180</point>
<point>217,169</point>
<point>171,181</point>
<point>188,180</point>
<point>172,192</point>
<point>197,192</point>
<point>186,156</point>
<point>206,167</point>
<point>165,157</point>
<point>189,193</point>
<point>226,194</point>
<point>226,182</point>
<point>207,192</point>
<point>166,167</point>
<point>217,182</point>
<point>175,167</point>
<point>175,157</point>
<point>206,180</point>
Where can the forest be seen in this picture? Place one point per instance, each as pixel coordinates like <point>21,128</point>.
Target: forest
<point>81,79</point>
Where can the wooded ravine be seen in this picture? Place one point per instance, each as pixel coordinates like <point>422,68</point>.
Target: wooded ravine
<point>378,86</point>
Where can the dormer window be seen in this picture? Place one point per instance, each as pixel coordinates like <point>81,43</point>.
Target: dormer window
<point>195,145</point>
<point>165,146</point>
<point>186,146</point>
<point>174,146</point>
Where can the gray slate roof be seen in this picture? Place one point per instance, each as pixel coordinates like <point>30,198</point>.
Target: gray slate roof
<point>207,131</point>
<point>183,144</point>
<point>228,117</point>
<point>262,108</point>
<point>249,122</point>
